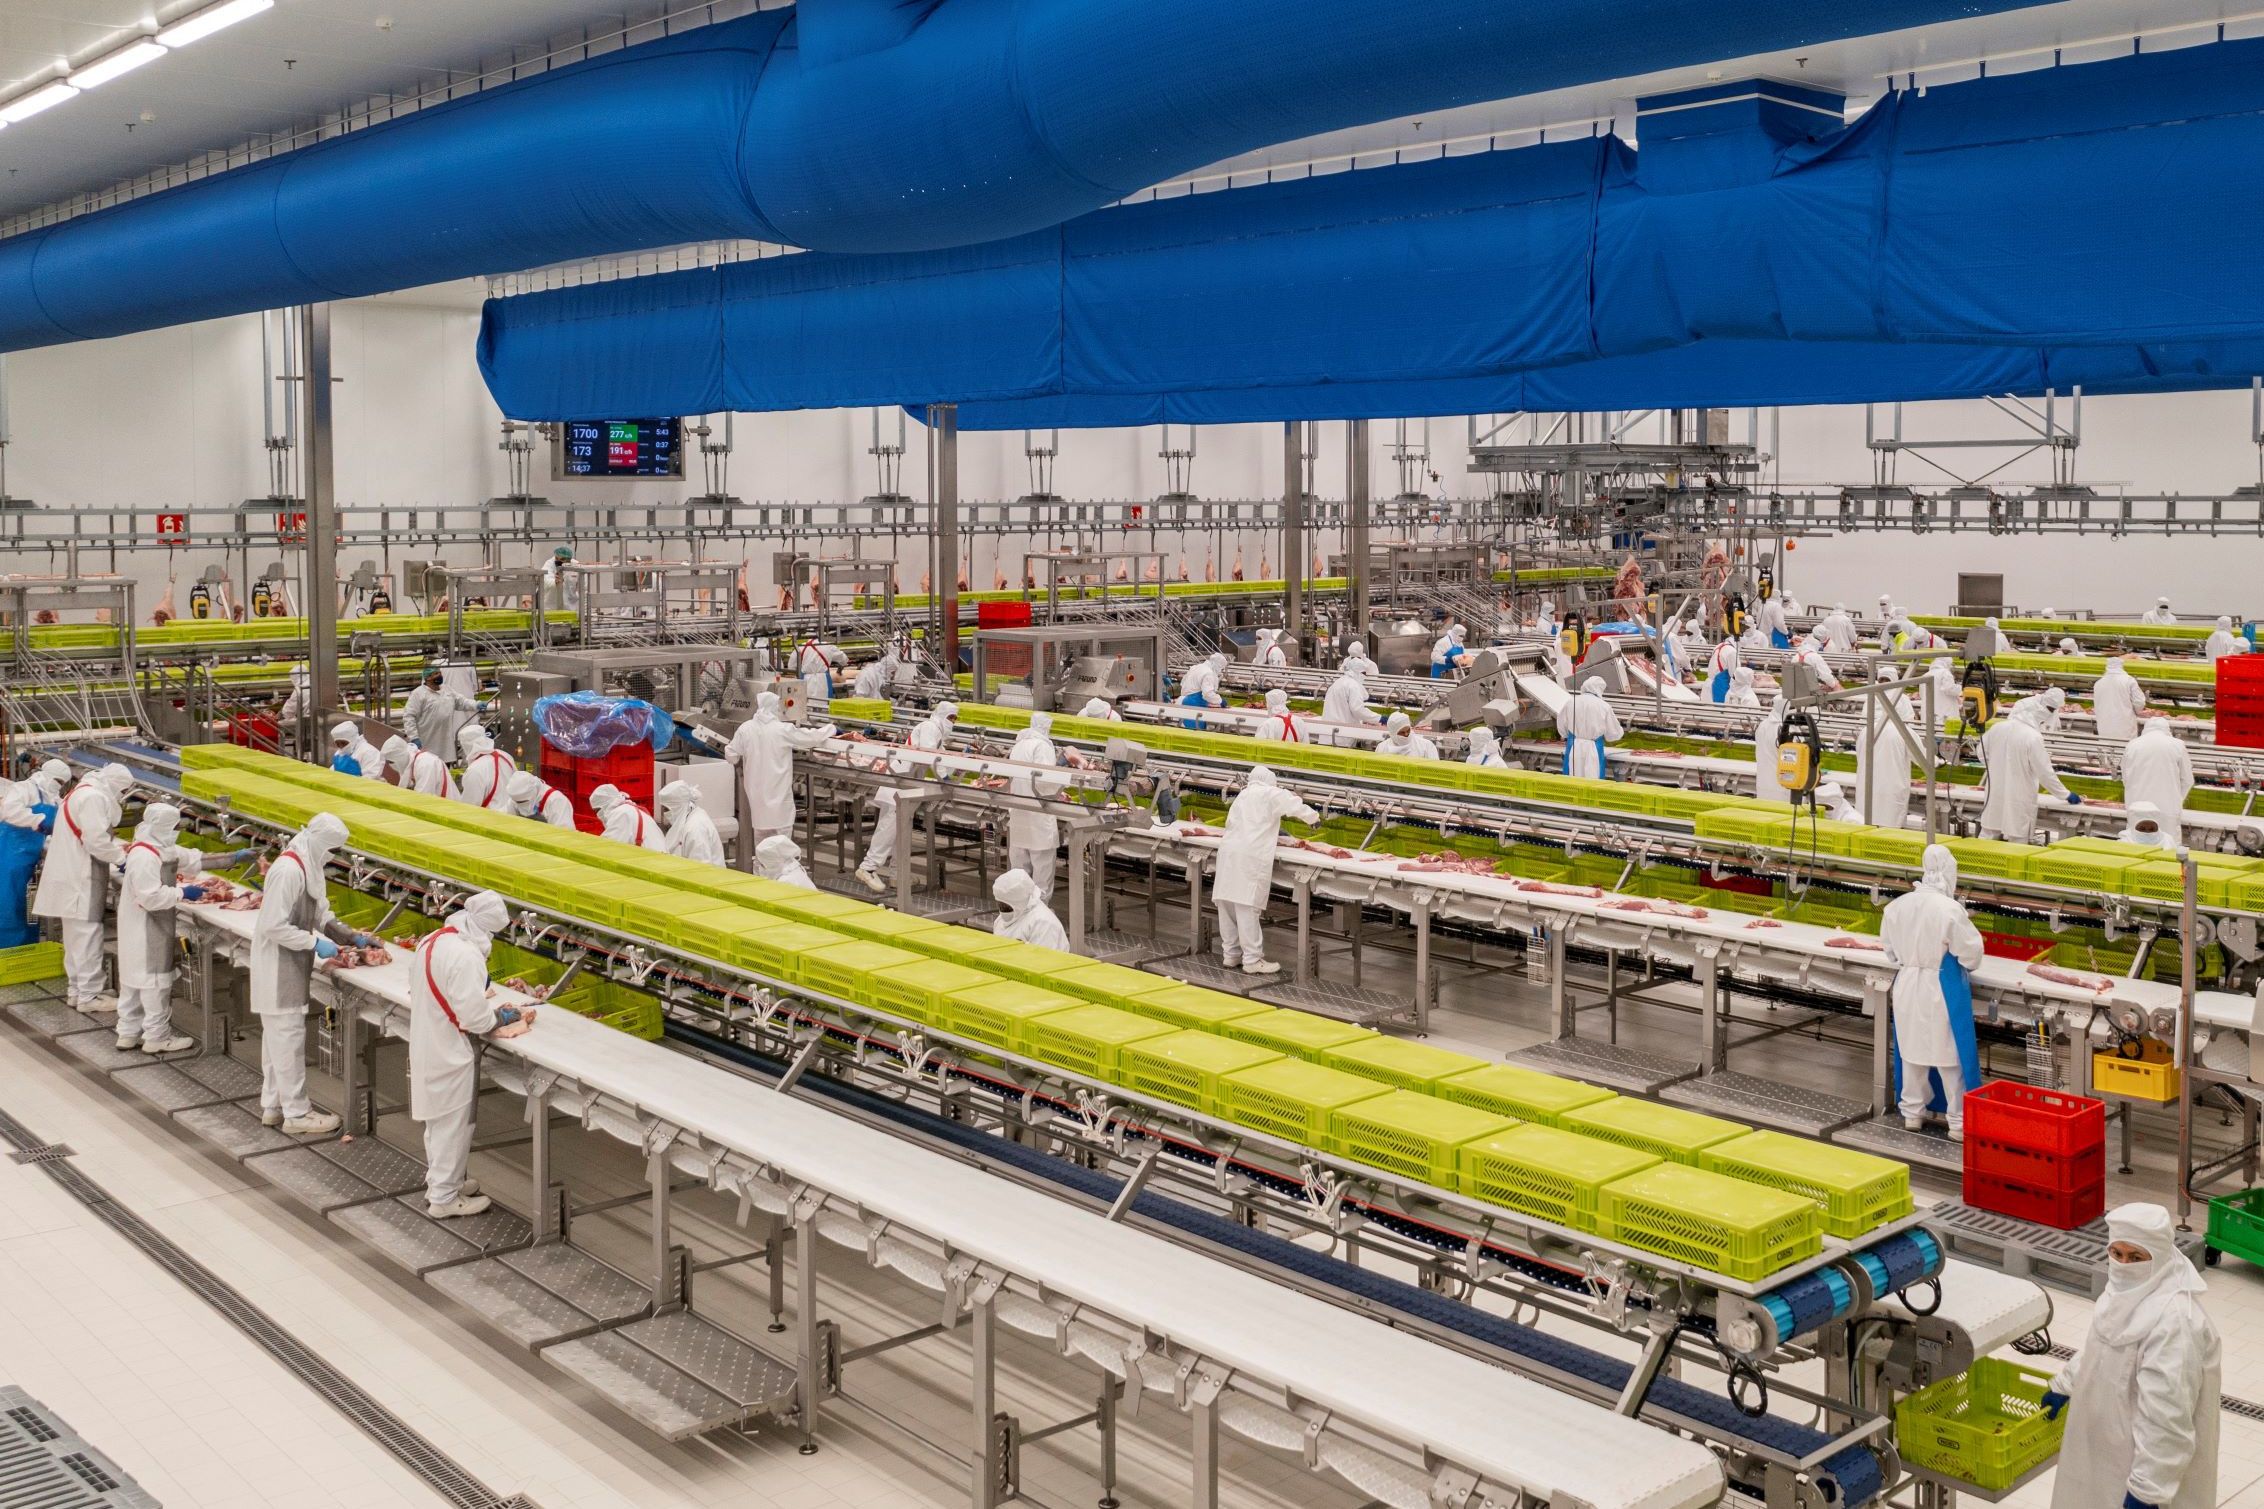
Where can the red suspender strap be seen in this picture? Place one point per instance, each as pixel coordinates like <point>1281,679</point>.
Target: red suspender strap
<point>434,985</point>
<point>495,784</point>
<point>144,844</point>
<point>71,822</point>
<point>1289,729</point>
<point>640,829</point>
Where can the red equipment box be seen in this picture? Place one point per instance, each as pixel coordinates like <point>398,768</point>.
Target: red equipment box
<point>2037,1155</point>
<point>628,767</point>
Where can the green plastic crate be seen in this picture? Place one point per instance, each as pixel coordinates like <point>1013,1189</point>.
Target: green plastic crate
<point>2084,869</point>
<point>32,961</point>
<point>818,907</point>
<point>1021,961</point>
<point>2163,879</point>
<point>1854,1192</point>
<point>1546,1172</point>
<point>1087,1039</point>
<point>1109,984</point>
<point>1710,1221</point>
<point>1986,1426</point>
<point>613,1005</point>
<point>1407,1132</point>
<point>767,945</point>
<point>1742,825</point>
<point>1993,857</point>
<point>1396,1061</point>
<point>1186,1067</point>
<point>1888,846</point>
<point>1667,1132</point>
<point>1291,1098</point>
<point>1192,1006</point>
<point>1299,1034</point>
<point>846,970</point>
<point>998,1013</point>
<point>920,934</point>
<point>1526,1094</point>
<point>923,990</point>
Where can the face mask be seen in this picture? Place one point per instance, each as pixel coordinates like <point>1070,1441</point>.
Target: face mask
<point>2126,1276</point>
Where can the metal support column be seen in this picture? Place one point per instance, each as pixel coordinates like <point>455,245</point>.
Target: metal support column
<point>1876,1002</point>
<point>320,584</point>
<point>1356,520</point>
<point>1293,527</point>
<point>546,1205</point>
<point>987,1468</point>
<point>943,518</point>
<point>809,1386</point>
<point>1713,1044</point>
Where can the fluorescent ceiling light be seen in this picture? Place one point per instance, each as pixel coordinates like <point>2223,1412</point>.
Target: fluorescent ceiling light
<point>26,106</point>
<point>124,60</point>
<point>211,19</point>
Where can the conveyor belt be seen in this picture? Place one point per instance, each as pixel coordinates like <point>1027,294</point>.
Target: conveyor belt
<point>1855,1471</point>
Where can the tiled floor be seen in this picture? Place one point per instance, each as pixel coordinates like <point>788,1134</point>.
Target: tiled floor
<point>202,1417</point>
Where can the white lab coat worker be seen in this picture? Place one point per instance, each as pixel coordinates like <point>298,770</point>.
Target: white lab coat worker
<point>1269,651</point>
<point>815,663</point>
<point>1034,838</point>
<point>1485,749</point>
<point>1400,738</point>
<point>1199,687</point>
<point>1941,672</point>
<point>1449,650</point>
<point>2156,768</point>
<point>2117,702</point>
<point>529,795</point>
<point>1882,767</point>
<point>1831,800</point>
<point>1837,630</point>
<point>289,934</point>
<point>2142,824</point>
<point>351,754</point>
<point>1741,689</point>
<point>1102,709</point>
<point>1918,929</point>
<point>625,822</point>
<point>487,775</point>
<point>2143,1396</point>
<point>876,678</point>
<point>449,1011</point>
<point>1587,721</point>
<point>1245,868</point>
<point>763,748</point>
<point>1766,739</point>
<point>2158,614</point>
<point>692,834</point>
<point>1994,640</point>
<point>1023,914</point>
<point>2044,708</point>
<point>2015,764</point>
<point>2068,647</point>
<point>147,956</point>
<point>779,858</point>
<point>1811,655</point>
<point>44,787</point>
<point>1347,702</point>
<point>419,770</point>
<point>74,880</point>
<point>2223,641</point>
<point>1768,617</point>
<point>1356,659</point>
<point>930,734</point>
<point>433,715</point>
<point>1280,725</point>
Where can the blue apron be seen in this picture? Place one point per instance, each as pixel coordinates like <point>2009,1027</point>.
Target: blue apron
<point>1718,688</point>
<point>345,763</point>
<point>1453,658</point>
<point>20,849</point>
<point>1779,640</point>
<point>1193,699</point>
<point>1565,767</point>
<point>1957,995</point>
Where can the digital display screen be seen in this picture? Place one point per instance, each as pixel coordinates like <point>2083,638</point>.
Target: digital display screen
<point>620,448</point>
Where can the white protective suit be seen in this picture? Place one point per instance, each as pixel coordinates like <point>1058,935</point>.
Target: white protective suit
<point>2158,614</point>
<point>2117,701</point>
<point>779,858</point>
<point>1942,672</point>
<point>434,716</point>
<point>147,958</point>
<point>1245,868</point>
<point>2015,764</point>
<point>1808,654</point>
<point>74,880</point>
<point>1347,702</point>
<point>876,678</point>
<point>1269,651</point>
<point>1023,914</point>
<point>1280,724</point>
<point>2043,708</point>
<point>2069,647</point>
<point>1768,617</point>
<point>2145,1390</point>
<point>1882,768</point>
<point>625,822</point>
<point>1101,708</point>
<point>419,769</point>
<point>763,749</point>
<point>529,795</point>
<point>815,662</point>
<point>1034,838</point>
<point>2223,641</point>
<point>1918,929</point>
<point>1199,687</point>
<point>1722,663</point>
<point>1741,689</point>
<point>1356,659</point>
<point>1765,741</point>
<point>487,770</point>
<point>692,833</point>
<point>1583,720</point>
<point>295,705</point>
<point>930,733</point>
<point>2156,768</point>
<point>1449,650</point>
<point>448,1009</point>
<point>1400,738</point>
<point>44,786</point>
<point>294,918</point>
<point>1837,630</point>
<point>346,739</point>
<point>1485,749</point>
<point>2142,824</point>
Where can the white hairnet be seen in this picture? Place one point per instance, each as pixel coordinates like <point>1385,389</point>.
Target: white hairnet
<point>1277,701</point>
<point>1990,622</point>
<point>1218,660</point>
<point>606,798</point>
<point>947,711</point>
<point>480,919</point>
<point>1831,793</point>
<point>1015,891</point>
<point>1267,637</point>
<point>1483,738</point>
<point>324,833</point>
<point>472,739</point>
<point>2055,697</point>
<point>2146,812</point>
<point>1593,686</point>
<point>1355,647</point>
<point>1548,608</point>
<point>397,752</point>
<point>1099,707</point>
<point>2161,602</point>
<point>1839,607</point>
<point>2114,665</point>
<point>1041,724</point>
<point>678,796</point>
<point>774,854</point>
<point>2124,1310</point>
<point>52,774</point>
<point>2223,622</point>
<point>1741,678</point>
<point>766,704</point>
<point>1939,869</point>
<point>2068,646</point>
<point>523,787</point>
<point>1398,723</point>
<point>159,822</point>
<point>344,733</point>
<point>1456,633</point>
<point>2156,724</point>
<point>115,779</point>
<point>1262,775</point>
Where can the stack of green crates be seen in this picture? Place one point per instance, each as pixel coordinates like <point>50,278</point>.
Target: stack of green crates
<point>1667,1132</point>
<point>1187,1067</point>
<point>1546,1172</point>
<point>1854,1192</point>
<point>1087,1040</point>
<point>1292,1099</point>
<point>1710,1221</point>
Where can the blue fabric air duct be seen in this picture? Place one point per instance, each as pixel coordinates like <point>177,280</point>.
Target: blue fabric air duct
<point>1944,246</point>
<point>851,125</point>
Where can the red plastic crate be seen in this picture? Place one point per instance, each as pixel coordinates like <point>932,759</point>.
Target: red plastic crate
<point>2052,1122</point>
<point>1005,615</point>
<point>2063,1209</point>
<point>2239,669</point>
<point>629,768</point>
<point>2013,946</point>
<point>2032,1168</point>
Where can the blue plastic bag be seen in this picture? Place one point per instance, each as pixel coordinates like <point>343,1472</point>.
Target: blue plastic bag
<point>589,724</point>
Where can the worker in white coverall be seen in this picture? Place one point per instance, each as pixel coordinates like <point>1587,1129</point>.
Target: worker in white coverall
<point>529,795</point>
<point>1588,724</point>
<point>1280,724</point>
<point>1023,914</point>
<point>1832,802</point>
<point>294,930</point>
<point>1919,930</point>
<point>1768,617</point>
<point>449,1011</point>
<point>1102,709</point>
<point>42,788</point>
<point>1356,659</point>
<point>2117,702</point>
<point>419,770</point>
<point>2223,641</point>
<point>1742,692</point>
<point>1485,749</point>
<point>487,775</point>
<point>433,715</point>
<point>779,858</point>
<point>1837,630</point>
<point>1347,701</point>
<point>2143,1396</point>
<point>2142,824</point>
<point>2015,764</point>
<point>1034,838</point>
<point>1882,768</point>
<point>815,662</point>
<point>1766,738</point>
<point>2044,708</point>
<point>1400,738</point>
<point>763,749</point>
<point>930,734</point>
<point>2068,647</point>
<point>351,754</point>
<point>147,956</point>
<point>692,834</point>
<point>1811,655</point>
<point>74,882</point>
<point>2158,614</point>
<point>1269,651</point>
<point>1449,651</point>
<point>1199,687</point>
<point>1941,672</point>
<point>2156,768</point>
<point>625,822</point>
<point>1720,671</point>
<point>1245,868</point>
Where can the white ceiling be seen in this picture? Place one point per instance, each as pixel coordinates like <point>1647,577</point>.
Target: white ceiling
<point>279,71</point>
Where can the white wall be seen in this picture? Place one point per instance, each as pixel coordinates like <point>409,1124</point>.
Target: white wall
<point>171,419</point>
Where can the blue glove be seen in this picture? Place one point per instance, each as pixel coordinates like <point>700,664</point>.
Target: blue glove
<point>2074,799</point>
<point>46,811</point>
<point>2133,1501</point>
<point>235,857</point>
<point>506,1015</point>
<point>325,949</point>
<point>192,893</point>
<point>365,940</point>
<point>2054,1402</point>
<point>480,706</point>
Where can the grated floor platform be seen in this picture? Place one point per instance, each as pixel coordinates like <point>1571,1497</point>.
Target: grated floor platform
<point>1886,1135</point>
<point>1606,1064</point>
<point>1747,1097</point>
<point>1345,1003</point>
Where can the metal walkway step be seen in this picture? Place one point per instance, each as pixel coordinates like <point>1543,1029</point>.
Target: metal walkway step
<point>313,1180</point>
<point>599,1290</point>
<point>663,1398</point>
<point>1208,972</point>
<point>47,1015</point>
<point>99,1049</point>
<point>391,1170</point>
<point>166,1087</point>
<point>1606,1064</point>
<point>1887,1136</point>
<point>511,1302</point>
<point>1746,1097</point>
<point>1344,1003</point>
<point>233,1126</point>
<point>404,1235</point>
<point>749,1377</point>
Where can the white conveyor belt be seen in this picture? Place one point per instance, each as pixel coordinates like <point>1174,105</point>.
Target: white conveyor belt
<point>1992,1308</point>
<point>1511,1430</point>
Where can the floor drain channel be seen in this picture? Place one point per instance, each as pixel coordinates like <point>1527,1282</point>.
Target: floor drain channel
<point>442,1473</point>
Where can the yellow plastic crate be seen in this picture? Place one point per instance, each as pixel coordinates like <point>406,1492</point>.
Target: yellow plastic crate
<point>1396,1061</point>
<point>1556,1175</point>
<point>767,945</point>
<point>1300,1034</point>
<point>1109,984</point>
<point>817,907</point>
<point>1854,1192</point>
<point>32,961</point>
<point>1186,1067</point>
<point>1410,1133</point>
<point>1710,1221</point>
<point>924,990</point>
<point>920,934</point>
<point>1291,1098</point>
<point>1525,1094</point>
<point>2152,1078</point>
<point>1192,1006</point>
<point>1088,1040</point>
<point>846,970</point>
<point>1986,1426</point>
<point>998,1013</point>
<point>1667,1132</point>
